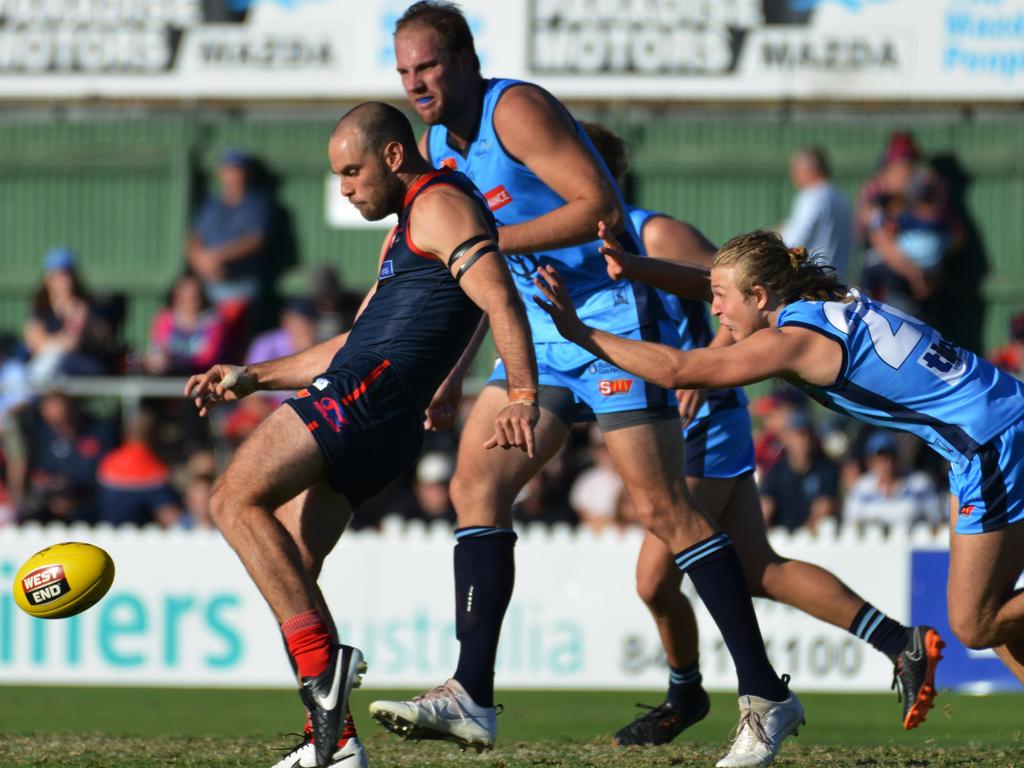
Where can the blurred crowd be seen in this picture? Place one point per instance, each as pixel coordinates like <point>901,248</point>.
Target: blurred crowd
<point>68,459</point>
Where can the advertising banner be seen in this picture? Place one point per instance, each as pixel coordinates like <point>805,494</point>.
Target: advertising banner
<point>751,50</point>
<point>183,612</point>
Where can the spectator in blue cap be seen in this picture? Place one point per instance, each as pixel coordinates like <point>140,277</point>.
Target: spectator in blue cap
<point>64,335</point>
<point>226,247</point>
<point>886,494</point>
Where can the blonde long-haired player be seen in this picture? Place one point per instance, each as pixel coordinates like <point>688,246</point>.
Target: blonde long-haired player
<point>791,319</point>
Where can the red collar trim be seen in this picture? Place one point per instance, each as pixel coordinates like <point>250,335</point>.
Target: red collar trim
<point>415,188</point>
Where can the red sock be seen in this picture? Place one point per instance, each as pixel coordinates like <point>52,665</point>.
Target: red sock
<point>308,641</point>
<point>348,729</point>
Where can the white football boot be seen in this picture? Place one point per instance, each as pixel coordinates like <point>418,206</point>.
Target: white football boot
<point>447,712</point>
<point>349,755</point>
<point>350,752</point>
<point>762,728</point>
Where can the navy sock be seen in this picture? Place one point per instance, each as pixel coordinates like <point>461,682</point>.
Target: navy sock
<point>485,571</point>
<point>718,577</point>
<point>682,683</point>
<point>873,626</point>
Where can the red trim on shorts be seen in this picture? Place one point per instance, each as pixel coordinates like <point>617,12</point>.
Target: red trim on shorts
<point>375,374</point>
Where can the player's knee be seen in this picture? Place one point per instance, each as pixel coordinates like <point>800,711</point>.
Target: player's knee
<point>765,579</point>
<point>656,591</point>
<point>475,498</point>
<point>220,507</point>
<point>971,629</point>
<point>225,503</point>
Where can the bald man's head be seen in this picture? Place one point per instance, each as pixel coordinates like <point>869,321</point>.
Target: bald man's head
<point>376,125</point>
<point>370,149</point>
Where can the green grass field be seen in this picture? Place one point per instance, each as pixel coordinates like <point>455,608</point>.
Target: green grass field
<point>120,727</point>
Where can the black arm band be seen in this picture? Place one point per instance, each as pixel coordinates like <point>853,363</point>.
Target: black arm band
<point>492,248</point>
<point>461,250</point>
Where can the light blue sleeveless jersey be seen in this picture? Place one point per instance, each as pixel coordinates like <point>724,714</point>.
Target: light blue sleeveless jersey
<point>902,374</point>
<point>694,324</point>
<point>515,194</point>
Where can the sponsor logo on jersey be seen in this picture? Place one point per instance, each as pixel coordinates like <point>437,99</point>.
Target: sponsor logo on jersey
<point>320,383</point>
<point>601,366</point>
<point>331,411</point>
<point>46,584</point>
<point>966,510</point>
<point>608,387</point>
<point>944,359</point>
<point>302,393</point>
<point>387,269</point>
<point>498,197</point>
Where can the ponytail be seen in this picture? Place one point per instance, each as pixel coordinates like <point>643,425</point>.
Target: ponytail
<point>790,273</point>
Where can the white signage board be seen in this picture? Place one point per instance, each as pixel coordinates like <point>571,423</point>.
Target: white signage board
<point>183,612</point>
<point>580,49</point>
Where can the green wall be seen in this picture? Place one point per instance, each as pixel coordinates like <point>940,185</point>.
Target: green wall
<point>120,191</point>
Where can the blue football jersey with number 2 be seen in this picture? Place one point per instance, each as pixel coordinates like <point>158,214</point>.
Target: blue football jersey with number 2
<point>902,374</point>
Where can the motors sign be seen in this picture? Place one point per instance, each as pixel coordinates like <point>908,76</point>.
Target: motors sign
<point>640,36</point>
<point>636,50</point>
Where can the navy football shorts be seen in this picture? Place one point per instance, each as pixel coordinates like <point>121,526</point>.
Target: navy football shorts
<point>365,424</point>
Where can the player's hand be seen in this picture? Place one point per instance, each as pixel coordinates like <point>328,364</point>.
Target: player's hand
<point>558,303</point>
<point>690,401</point>
<point>614,255</point>
<point>513,428</point>
<point>220,384</point>
<point>444,406</point>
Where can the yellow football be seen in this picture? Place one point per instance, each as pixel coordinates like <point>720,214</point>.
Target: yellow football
<point>63,580</point>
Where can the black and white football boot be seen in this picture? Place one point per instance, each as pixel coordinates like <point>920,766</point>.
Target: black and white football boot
<point>326,698</point>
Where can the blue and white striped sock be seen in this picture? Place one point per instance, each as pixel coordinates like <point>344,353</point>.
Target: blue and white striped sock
<point>717,575</point>
<point>681,681</point>
<point>874,627</point>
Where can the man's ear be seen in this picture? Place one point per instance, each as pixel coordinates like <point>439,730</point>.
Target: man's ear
<point>394,155</point>
<point>761,297</point>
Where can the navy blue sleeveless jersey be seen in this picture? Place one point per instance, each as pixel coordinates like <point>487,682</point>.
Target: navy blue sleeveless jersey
<point>693,321</point>
<point>899,373</point>
<point>516,194</point>
<point>419,318</point>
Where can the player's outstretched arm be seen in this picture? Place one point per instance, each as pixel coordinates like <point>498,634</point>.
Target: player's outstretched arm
<point>539,132</point>
<point>689,280</point>
<point>442,222</point>
<point>225,383</point>
<point>766,353</point>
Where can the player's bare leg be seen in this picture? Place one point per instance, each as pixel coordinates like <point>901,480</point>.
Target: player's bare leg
<point>277,463</point>
<point>315,519</point>
<point>485,485</point>
<point>649,457</point>
<point>804,586</point>
<point>486,482</point>
<point>658,582</point>
<point>1012,655</point>
<point>985,611</point>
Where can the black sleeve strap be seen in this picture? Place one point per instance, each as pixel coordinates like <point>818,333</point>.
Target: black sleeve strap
<point>492,248</point>
<point>461,250</point>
